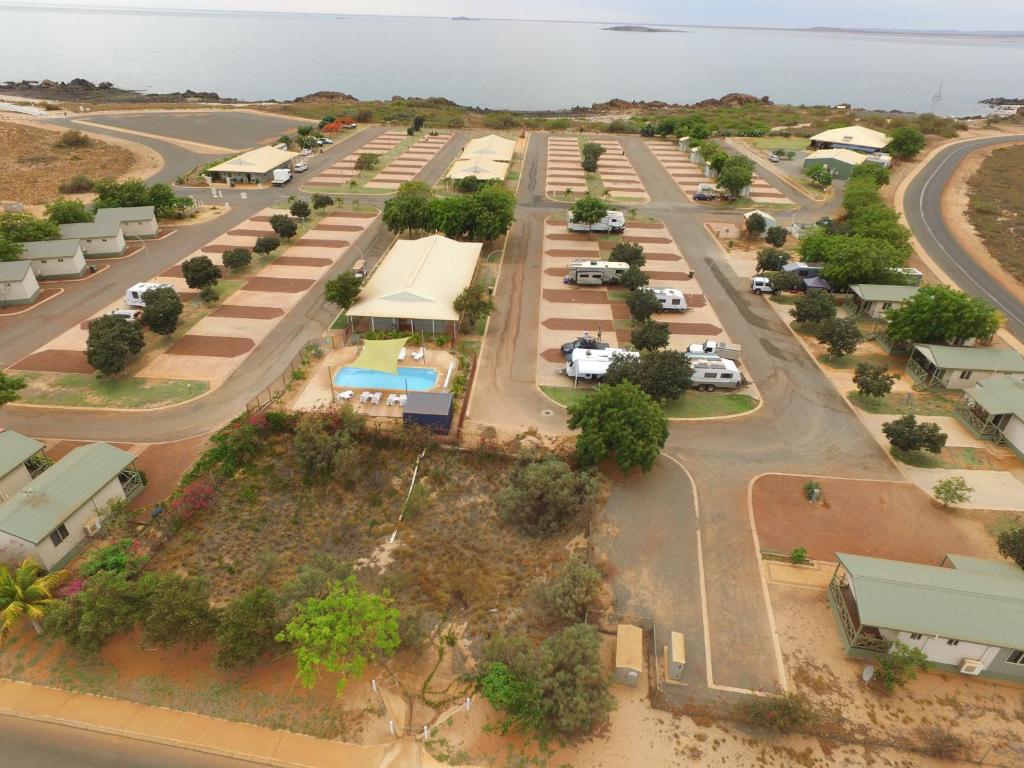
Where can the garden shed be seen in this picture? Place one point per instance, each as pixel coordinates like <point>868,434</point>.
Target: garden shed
<point>432,410</point>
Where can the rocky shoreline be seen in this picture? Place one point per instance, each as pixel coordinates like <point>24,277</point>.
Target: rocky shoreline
<point>80,89</point>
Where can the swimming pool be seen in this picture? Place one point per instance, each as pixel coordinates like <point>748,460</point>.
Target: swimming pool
<point>417,379</point>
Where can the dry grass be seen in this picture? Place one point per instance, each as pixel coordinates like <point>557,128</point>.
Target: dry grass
<point>455,557</point>
<point>996,207</point>
<point>32,166</point>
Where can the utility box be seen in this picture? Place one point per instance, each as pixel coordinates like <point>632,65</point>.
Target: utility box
<point>676,655</point>
<point>629,654</point>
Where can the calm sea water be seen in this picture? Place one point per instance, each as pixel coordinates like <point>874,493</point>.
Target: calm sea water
<point>511,64</point>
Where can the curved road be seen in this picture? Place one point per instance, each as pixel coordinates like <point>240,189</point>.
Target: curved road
<point>922,204</point>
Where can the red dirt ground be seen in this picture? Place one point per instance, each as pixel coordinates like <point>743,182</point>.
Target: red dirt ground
<point>350,215</point>
<point>217,248</point>
<point>277,285</point>
<point>45,293</point>
<point>575,297</point>
<point>339,227</point>
<point>61,449</point>
<point>164,464</point>
<point>695,300</point>
<point>55,361</point>
<point>570,236</point>
<point>668,275</point>
<point>302,261</point>
<point>211,346</point>
<point>553,355</point>
<point>570,253</point>
<point>897,521</point>
<point>251,232</point>
<point>697,329</point>
<point>251,313</point>
<point>576,324</point>
<point>172,271</point>
<point>311,243</point>
<point>620,311</point>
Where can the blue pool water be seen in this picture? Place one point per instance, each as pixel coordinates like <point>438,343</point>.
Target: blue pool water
<point>417,379</point>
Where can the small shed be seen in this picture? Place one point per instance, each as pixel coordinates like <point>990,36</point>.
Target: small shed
<point>629,654</point>
<point>676,659</point>
<point>97,238</point>
<point>138,221</point>
<point>876,300</point>
<point>18,284</point>
<point>432,410</point>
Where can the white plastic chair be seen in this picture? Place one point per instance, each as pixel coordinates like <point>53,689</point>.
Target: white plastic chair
<point>401,354</point>
<point>364,397</point>
<point>392,400</point>
<point>346,395</point>
<point>419,355</point>
<point>375,398</point>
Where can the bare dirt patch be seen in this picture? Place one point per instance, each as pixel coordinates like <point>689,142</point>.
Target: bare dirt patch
<point>696,329</point>
<point>17,309</point>
<point>572,296</point>
<point>55,361</point>
<point>211,346</point>
<point>277,285</point>
<point>301,261</point>
<point>339,227</point>
<point>312,242</point>
<point>577,324</point>
<point>32,166</point>
<point>897,521</point>
<point>250,313</point>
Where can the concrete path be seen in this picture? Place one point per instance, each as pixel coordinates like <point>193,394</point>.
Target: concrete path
<point>1000,491</point>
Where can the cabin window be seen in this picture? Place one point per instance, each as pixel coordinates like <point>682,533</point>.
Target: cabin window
<point>915,635</point>
<point>59,534</point>
<point>886,305</point>
<point>952,642</point>
<point>1015,657</point>
<point>965,374</point>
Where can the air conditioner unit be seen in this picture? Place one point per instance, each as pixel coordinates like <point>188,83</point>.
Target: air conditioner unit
<point>971,666</point>
<point>92,527</point>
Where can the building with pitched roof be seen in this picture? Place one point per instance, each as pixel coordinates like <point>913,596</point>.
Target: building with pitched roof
<point>97,238</point>
<point>876,300</point>
<point>994,410</point>
<point>19,462</point>
<point>938,367</point>
<point>55,259</point>
<point>254,167</point>
<point>854,137</point>
<point>138,221</point>
<point>18,284</point>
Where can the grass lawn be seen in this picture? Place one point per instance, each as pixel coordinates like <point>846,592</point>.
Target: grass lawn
<point>618,295</point>
<point>85,391</point>
<point>784,299</point>
<point>849,362</point>
<point>692,406</point>
<point>950,458</point>
<point>468,347</point>
<point>768,143</point>
<point>917,403</point>
<point>341,321</point>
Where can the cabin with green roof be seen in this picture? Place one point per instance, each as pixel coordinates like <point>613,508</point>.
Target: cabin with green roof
<point>54,514</point>
<point>875,300</point>
<point>965,614</point>
<point>933,366</point>
<point>994,410</point>
<point>21,459</point>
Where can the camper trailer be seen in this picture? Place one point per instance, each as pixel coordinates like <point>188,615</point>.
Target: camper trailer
<point>719,348</point>
<point>712,372</point>
<point>590,364</point>
<point>590,272</point>
<point>134,296</point>
<point>672,299</point>
<point>613,221</point>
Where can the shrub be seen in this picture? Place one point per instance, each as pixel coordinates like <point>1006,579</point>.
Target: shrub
<point>814,307</point>
<point>873,380</point>
<point>208,294</point>
<point>575,587</point>
<point>109,604</point>
<point>267,244</point>
<point>631,253</point>
<point>840,335</point>
<point>320,200</point>
<point>544,494</point>
<point>634,278</point>
<point>237,259</point>
<point>112,341</point>
<point>771,260</point>
<point>162,311</point>
<point>900,665</point>
<point>906,434</point>
<point>650,335</point>
<point>799,556</point>
<point>72,139</point>
<point>247,628</point>
<point>200,271</point>
<point>781,712</point>
<point>810,488</point>
<point>119,557</point>
<point>1011,544</point>
<point>367,161</point>
<point>776,236</point>
<point>939,741</point>
<point>642,304</point>
<point>76,185</point>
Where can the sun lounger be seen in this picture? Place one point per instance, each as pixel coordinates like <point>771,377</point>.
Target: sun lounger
<point>346,395</point>
<point>375,398</point>
<point>392,400</point>
<point>419,355</point>
<point>401,354</point>
<point>364,397</point>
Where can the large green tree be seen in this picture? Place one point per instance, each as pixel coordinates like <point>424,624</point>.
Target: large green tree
<point>26,593</point>
<point>650,334</point>
<point>341,632</point>
<point>26,228</point>
<point>736,175</point>
<point>622,421</point>
<point>589,210</point>
<point>9,386</point>
<point>908,434</point>
<point>937,314</point>
<point>343,290</point>
<point>247,628</point>
<point>857,259</point>
<point>65,211</point>
<point>473,304</point>
<point>267,244</point>
<point>906,143</point>
<point>814,307</point>
<point>544,494</point>
<point>112,342</point>
<point>630,253</point>
<point>200,271</point>
<point>237,259</point>
<point>284,226</point>
<point>591,154</point>
<point>643,303</point>
<point>664,374</point>
<point>493,211</point>
<point>409,210</point>
<point>840,335</point>
<point>162,311</point>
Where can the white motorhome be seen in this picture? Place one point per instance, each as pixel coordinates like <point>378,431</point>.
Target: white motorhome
<point>672,299</point>
<point>133,297</point>
<point>281,176</point>
<point>613,221</point>
<point>711,372</point>
<point>593,272</point>
<point>589,364</point>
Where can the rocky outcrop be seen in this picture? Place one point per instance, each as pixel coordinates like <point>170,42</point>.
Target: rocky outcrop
<point>80,89</point>
<point>622,105</point>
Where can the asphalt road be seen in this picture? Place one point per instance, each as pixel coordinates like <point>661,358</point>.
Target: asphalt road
<point>923,208</point>
<point>33,744</point>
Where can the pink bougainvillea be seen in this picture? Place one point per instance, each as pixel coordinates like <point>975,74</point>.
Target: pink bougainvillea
<point>197,496</point>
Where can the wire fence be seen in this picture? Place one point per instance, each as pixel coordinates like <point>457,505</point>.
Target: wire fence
<point>293,371</point>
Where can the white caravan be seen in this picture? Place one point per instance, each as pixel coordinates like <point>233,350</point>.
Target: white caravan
<point>589,364</point>
<point>592,272</point>
<point>613,221</point>
<point>711,372</point>
<point>671,299</point>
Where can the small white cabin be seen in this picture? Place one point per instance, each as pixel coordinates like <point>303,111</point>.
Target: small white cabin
<point>134,295</point>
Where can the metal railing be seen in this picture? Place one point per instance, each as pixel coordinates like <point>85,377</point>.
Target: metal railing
<point>855,635</point>
<point>131,482</point>
<point>266,396</point>
<point>984,428</point>
<point>922,376</point>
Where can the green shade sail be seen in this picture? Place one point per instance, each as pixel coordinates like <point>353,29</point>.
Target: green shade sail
<point>381,355</point>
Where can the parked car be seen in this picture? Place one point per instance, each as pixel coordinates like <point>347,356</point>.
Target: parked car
<point>349,126</point>
<point>359,268</point>
<point>586,341</point>
<point>703,196</point>
<point>306,152</point>
<point>773,157</point>
<point>301,166</point>
<point>131,315</point>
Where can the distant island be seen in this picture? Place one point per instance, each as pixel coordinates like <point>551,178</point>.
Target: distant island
<point>637,28</point>
<point>464,18</point>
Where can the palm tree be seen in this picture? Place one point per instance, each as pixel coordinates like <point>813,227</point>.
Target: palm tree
<point>26,593</point>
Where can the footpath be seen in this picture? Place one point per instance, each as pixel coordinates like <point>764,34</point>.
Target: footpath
<point>200,733</point>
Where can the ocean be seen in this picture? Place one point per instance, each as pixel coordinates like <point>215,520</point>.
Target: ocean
<point>503,64</point>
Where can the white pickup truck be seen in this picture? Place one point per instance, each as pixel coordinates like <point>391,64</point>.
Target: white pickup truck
<point>613,221</point>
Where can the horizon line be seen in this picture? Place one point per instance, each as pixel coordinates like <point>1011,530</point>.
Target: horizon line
<point>241,12</point>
